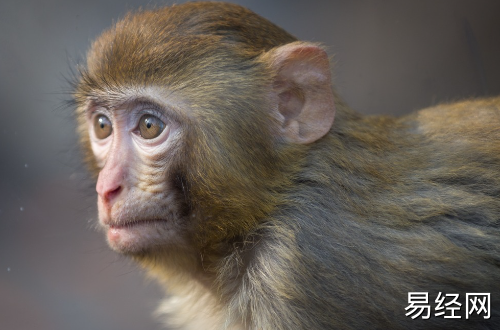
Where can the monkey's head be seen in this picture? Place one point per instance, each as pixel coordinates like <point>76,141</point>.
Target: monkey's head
<point>194,119</point>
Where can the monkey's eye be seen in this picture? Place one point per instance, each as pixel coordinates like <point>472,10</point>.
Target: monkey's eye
<point>102,127</point>
<point>150,127</point>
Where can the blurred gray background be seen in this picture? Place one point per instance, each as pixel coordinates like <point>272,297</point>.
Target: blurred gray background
<point>390,57</point>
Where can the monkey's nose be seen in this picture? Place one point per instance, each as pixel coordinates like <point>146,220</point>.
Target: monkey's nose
<point>109,186</point>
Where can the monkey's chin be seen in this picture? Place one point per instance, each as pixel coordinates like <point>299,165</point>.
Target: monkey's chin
<point>139,237</point>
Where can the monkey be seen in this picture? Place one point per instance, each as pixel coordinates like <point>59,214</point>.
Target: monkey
<point>231,170</point>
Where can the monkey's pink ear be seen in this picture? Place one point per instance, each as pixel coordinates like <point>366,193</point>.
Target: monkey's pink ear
<point>303,90</point>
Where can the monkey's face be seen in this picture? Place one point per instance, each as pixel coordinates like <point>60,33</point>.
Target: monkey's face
<point>135,146</point>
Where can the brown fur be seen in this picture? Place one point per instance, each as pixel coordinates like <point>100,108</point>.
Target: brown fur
<point>326,235</point>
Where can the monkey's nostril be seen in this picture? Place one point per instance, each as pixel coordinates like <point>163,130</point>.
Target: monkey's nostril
<point>112,194</point>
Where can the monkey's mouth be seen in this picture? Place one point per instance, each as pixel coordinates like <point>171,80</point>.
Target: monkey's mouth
<point>135,223</point>
<point>135,236</point>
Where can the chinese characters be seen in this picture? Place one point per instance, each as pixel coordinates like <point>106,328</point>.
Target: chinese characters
<point>448,305</point>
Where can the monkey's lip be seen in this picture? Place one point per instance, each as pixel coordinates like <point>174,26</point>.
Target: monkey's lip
<point>131,224</point>
<point>138,235</point>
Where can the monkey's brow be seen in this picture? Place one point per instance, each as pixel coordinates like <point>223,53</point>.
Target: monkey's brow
<point>132,103</point>
<point>164,109</point>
